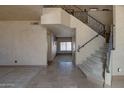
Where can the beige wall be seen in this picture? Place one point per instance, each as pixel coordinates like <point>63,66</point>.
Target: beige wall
<point>55,16</point>
<point>20,12</point>
<point>51,16</point>
<point>83,34</point>
<point>118,53</point>
<point>24,42</point>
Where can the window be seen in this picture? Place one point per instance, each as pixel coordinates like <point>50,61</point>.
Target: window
<point>65,46</point>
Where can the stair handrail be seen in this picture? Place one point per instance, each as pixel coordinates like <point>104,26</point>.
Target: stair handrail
<point>79,47</point>
<point>110,47</point>
<point>89,15</point>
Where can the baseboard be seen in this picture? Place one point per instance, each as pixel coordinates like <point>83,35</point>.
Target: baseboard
<point>117,77</point>
<point>64,54</point>
<point>43,66</point>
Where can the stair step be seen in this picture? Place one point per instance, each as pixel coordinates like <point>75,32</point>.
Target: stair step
<point>89,73</point>
<point>98,55</point>
<point>92,65</point>
<point>96,68</point>
<point>102,58</point>
<point>103,48</point>
<point>101,51</point>
<point>94,71</point>
<point>91,70</point>
<point>95,61</point>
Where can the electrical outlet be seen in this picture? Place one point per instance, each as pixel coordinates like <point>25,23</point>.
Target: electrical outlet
<point>119,69</point>
<point>15,61</point>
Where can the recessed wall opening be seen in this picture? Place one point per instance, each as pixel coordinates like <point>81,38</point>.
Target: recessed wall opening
<point>61,45</point>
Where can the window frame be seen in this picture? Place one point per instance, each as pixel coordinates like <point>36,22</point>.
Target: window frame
<point>66,46</point>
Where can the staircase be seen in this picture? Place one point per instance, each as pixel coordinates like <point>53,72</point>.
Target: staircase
<point>94,66</point>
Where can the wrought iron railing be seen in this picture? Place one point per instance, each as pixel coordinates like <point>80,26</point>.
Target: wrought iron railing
<point>85,18</point>
<point>79,47</point>
<point>89,20</point>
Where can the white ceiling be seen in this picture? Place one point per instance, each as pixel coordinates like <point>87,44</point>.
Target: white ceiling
<point>100,7</point>
<point>20,12</point>
<point>61,30</point>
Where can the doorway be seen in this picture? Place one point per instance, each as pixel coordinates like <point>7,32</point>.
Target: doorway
<point>61,42</point>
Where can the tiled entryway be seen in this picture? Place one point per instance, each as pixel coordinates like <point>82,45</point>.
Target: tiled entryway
<point>61,74</point>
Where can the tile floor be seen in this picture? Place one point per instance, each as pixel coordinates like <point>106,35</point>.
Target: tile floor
<point>118,82</point>
<point>61,74</point>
